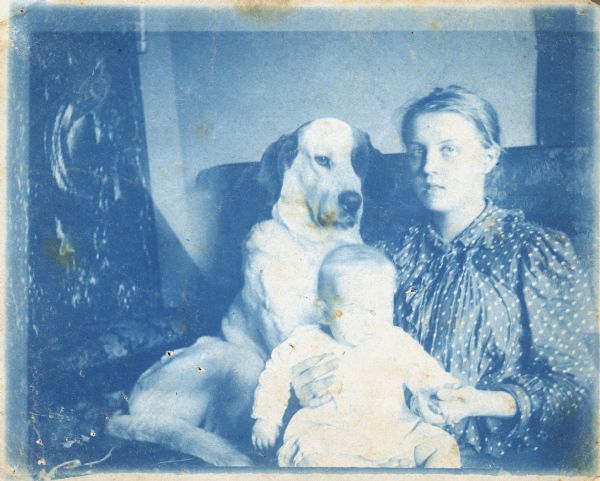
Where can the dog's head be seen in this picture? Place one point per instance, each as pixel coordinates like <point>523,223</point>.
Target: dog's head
<point>317,171</point>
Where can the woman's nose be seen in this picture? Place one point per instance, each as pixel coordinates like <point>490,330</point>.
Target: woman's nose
<point>431,162</point>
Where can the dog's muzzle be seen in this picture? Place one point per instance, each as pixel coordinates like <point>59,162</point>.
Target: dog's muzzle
<point>349,202</point>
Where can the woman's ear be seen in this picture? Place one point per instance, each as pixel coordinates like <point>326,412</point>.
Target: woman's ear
<point>492,156</point>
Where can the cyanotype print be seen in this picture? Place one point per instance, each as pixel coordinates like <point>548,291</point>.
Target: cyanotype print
<point>302,238</point>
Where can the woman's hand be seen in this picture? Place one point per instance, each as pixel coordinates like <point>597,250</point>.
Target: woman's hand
<point>452,405</point>
<point>314,380</point>
<point>455,404</point>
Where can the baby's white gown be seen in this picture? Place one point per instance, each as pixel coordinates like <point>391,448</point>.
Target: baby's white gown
<point>368,416</point>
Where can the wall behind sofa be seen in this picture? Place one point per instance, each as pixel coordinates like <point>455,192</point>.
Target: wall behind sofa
<point>236,92</point>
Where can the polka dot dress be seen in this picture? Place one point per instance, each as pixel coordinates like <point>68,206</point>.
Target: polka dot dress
<point>504,306</point>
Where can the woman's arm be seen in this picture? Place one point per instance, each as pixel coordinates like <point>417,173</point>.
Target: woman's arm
<point>551,375</point>
<point>556,376</point>
<point>455,404</point>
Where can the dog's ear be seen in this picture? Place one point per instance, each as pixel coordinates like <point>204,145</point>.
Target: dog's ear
<point>363,154</point>
<point>274,162</point>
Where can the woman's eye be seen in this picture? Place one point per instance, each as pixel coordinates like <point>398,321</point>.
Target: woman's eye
<point>449,149</point>
<point>323,160</point>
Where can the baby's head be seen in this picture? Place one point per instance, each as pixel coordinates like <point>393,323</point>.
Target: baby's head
<point>356,290</point>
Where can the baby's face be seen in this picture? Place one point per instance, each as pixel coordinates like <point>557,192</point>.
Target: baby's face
<point>357,308</point>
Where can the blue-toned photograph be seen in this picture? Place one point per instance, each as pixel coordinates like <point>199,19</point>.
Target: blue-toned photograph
<point>246,240</point>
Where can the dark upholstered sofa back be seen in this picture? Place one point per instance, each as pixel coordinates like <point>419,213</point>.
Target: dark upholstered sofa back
<point>554,187</point>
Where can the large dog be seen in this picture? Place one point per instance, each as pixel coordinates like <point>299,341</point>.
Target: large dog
<point>198,399</point>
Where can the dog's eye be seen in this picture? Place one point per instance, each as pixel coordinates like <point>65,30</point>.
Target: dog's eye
<point>323,160</point>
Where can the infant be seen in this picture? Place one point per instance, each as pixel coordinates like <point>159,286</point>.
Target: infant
<point>367,422</point>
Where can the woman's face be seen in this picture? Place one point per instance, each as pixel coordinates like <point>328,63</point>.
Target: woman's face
<point>448,161</point>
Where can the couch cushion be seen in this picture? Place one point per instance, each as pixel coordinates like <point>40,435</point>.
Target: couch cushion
<point>225,203</point>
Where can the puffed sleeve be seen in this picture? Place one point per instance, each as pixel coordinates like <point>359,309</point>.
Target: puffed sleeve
<point>273,390</point>
<point>423,372</point>
<point>554,378</point>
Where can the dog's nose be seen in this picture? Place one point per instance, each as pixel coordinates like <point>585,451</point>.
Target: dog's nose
<point>350,201</point>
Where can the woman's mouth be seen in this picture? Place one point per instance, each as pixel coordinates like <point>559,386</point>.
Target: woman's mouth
<point>432,187</point>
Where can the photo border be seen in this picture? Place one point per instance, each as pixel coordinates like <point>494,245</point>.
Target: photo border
<point>259,10</point>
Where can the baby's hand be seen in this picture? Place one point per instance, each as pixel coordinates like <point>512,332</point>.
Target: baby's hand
<point>264,434</point>
<point>425,406</point>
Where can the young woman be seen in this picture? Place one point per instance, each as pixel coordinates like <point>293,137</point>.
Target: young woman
<point>501,302</point>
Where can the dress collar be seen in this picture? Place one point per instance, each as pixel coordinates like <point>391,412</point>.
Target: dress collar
<point>481,230</point>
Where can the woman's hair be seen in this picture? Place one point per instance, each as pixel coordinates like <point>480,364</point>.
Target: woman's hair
<point>457,100</point>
